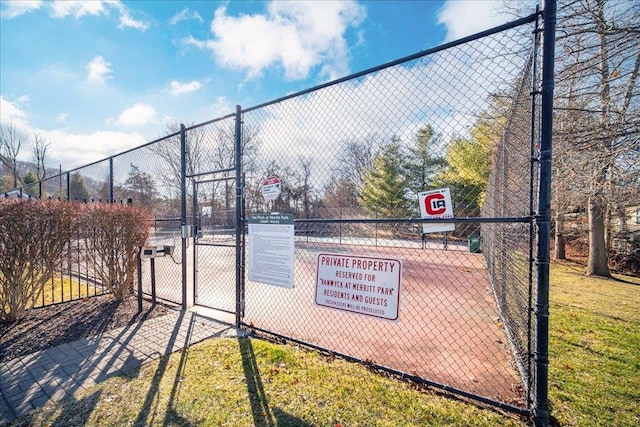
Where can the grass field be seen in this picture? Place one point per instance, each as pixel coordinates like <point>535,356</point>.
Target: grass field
<point>594,378</point>
<point>594,349</point>
<point>246,382</point>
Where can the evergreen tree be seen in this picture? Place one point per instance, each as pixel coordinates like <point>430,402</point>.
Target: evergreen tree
<point>423,160</point>
<point>385,186</point>
<point>77,188</point>
<point>140,186</point>
<point>28,182</point>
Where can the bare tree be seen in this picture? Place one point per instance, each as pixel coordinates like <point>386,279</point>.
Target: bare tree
<point>598,110</point>
<point>356,160</point>
<point>40,147</point>
<point>168,150</point>
<point>208,148</point>
<point>307,194</point>
<point>11,140</point>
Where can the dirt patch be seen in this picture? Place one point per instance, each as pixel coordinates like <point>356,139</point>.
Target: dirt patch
<point>67,322</point>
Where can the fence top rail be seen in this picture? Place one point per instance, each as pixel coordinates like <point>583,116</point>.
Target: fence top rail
<point>195,175</point>
<point>431,51</point>
<point>208,122</point>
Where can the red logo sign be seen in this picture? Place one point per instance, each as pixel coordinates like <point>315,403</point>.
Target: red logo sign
<point>435,204</point>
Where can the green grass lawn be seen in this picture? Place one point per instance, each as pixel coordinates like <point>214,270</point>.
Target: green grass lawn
<point>594,378</point>
<point>594,349</point>
<point>247,382</point>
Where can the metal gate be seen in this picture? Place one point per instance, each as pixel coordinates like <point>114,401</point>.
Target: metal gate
<point>214,240</point>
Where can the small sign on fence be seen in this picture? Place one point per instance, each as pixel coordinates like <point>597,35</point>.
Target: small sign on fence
<point>436,204</point>
<point>271,188</point>
<point>359,284</point>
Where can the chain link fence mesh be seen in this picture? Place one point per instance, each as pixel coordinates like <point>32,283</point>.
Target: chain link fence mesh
<point>353,159</point>
<point>508,246</point>
<point>357,160</point>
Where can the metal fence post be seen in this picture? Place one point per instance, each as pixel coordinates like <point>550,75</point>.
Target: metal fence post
<point>239,218</point>
<point>543,220</point>
<point>196,225</point>
<point>139,281</point>
<point>111,198</point>
<point>68,186</point>
<point>183,211</point>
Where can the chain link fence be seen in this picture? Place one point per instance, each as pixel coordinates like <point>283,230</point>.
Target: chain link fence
<point>410,188</point>
<point>356,160</point>
<point>508,246</point>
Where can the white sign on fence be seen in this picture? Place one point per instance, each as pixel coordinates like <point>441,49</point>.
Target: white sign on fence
<point>271,188</point>
<point>359,284</point>
<point>271,249</point>
<point>436,204</point>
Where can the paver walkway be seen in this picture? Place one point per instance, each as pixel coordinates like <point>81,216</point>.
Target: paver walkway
<point>31,381</point>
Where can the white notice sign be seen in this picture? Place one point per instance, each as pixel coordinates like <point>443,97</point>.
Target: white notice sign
<point>359,284</point>
<point>271,249</point>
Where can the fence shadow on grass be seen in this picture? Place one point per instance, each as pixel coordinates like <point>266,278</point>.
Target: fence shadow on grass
<point>80,412</point>
<point>262,413</point>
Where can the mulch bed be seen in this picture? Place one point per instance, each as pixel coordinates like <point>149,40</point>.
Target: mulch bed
<point>67,322</point>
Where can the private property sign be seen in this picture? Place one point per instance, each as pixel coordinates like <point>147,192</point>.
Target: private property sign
<point>436,204</point>
<point>359,284</point>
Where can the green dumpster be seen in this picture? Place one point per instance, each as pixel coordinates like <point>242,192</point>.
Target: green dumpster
<point>474,244</point>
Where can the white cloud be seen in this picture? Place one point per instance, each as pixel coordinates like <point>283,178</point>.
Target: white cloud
<point>98,70</point>
<point>296,36</point>
<point>77,9</point>
<point>15,8</point>
<point>178,88</point>
<point>139,114</point>
<point>126,21</point>
<point>73,150</point>
<point>62,117</point>
<point>185,15</point>
<point>465,17</point>
<point>68,149</point>
<point>74,8</point>
<point>10,112</point>
<point>447,90</point>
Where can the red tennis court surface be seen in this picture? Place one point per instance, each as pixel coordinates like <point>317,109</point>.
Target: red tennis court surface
<point>448,330</point>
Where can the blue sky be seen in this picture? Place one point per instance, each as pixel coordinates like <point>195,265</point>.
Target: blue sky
<point>96,78</point>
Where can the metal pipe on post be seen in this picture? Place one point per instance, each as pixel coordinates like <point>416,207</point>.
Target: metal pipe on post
<point>153,282</point>
<point>239,218</point>
<point>543,220</point>
<point>243,241</point>
<point>183,211</point>
<point>139,281</point>
<point>194,205</point>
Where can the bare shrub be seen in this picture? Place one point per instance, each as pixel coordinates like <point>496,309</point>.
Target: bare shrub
<point>113,234</point>
<point>34,238</point>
